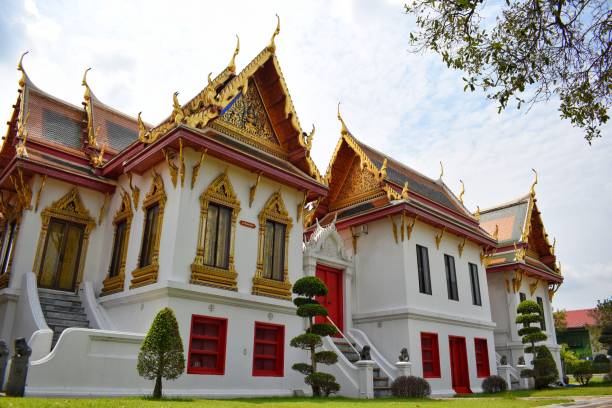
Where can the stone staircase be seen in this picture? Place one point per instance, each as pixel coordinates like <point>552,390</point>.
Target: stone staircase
<point>61,310</point>
<point>382,385</point>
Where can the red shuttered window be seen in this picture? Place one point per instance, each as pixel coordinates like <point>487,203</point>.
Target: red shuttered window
<point>207,345</point>
<point>482,357</point>
<point>430,355</point>
<point>268,350</point>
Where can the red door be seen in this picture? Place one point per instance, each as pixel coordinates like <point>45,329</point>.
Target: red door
<point>459,367</point>
<point>333,302</point>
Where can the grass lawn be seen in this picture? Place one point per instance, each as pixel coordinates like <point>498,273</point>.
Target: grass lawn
<point>595,388</point>
<point>506,402</point>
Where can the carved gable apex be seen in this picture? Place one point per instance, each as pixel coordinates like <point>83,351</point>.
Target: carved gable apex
<point>221,191</point>
<point>359,184</point>
<point>71,203</point>
<point>326,242</point>
<point>247,119</point>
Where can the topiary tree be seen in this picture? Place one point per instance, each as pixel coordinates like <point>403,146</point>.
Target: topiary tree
<point>529,312</point>
<point>307,289</point>
<point>161,353</point>
<point>544,368</point>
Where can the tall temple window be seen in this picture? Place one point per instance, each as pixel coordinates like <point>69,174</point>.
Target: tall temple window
<point>543,322</point>
<point>475,284</point>
<point>7,246</point>
<point>148,261</point>
<point>451,277</point>
<point>522,297</point>
<point>122,221</point>
<point>268,350</point>
<point>207,343</point>
<point>272,275</point>
<point>214,261</point>
<point>423,269</point>
<point>481,351</point>
<point>62,244</point>
<point>430,355</point>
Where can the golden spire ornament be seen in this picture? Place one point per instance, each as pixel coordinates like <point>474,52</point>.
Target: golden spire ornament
<point>142,129</point>
<point>344,131</point>
<point>477,213</point>
<point>231,67</point>
<point>441,170</point>
<point>462,191</point>
<point>272,46</point>
<point>405,191</point>
<point>532,189</point>
<point>22,81</point>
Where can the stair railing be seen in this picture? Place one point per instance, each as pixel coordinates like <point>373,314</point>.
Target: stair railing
<point>343,336</point>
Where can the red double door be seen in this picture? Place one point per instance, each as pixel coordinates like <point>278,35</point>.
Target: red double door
<point>459,365</point>
<point>333,302</point>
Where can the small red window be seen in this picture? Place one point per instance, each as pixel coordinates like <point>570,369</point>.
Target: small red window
<point>268,350</point>
<point>207,345</point>
<point>482,357</point>
<point>430,355</point>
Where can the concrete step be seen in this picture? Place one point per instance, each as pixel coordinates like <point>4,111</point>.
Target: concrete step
<point>61,308</point>
<point>54,315</point>
<point>382,392</point>
<point>381,382</point>
<point>54,294</point>
<point>68,321</point>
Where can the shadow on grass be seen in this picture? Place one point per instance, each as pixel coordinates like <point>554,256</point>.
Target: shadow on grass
<point>167,399</point>
<point>327,400</point>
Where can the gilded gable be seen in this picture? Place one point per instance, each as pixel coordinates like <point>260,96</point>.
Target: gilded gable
<point>248,119</point>
<point>359,184</point>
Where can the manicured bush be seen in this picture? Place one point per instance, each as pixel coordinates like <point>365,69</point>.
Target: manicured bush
<point>600,358</point>
<point>307,289</point>
<point>601,367</point>
<point>494,384</point>
<point>161,352</point>
<point>583,371</point>
<point>544,368</point>
<point>410,387</point>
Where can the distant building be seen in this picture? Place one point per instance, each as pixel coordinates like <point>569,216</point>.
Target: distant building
<point>577,334</point>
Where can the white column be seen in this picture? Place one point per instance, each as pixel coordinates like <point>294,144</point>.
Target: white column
<point>366,378</point>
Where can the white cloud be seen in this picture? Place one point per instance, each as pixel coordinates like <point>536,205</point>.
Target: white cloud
<point>408,105</point>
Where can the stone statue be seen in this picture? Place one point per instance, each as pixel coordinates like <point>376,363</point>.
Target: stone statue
<point>503,360</point>
<point>404,357</point>
<point>4,355</point>
<point>15,386</point>
<point>365,353</point>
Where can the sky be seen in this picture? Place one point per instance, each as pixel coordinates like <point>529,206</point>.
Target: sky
<point>406,104</point>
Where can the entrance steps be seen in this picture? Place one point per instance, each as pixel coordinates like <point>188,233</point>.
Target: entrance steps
<point>62,310</point>
<point>382,386</point>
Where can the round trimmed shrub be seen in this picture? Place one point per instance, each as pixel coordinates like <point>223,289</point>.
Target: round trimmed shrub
<point>310,286</point>
<point>410,387</point>
<point>494,384</point>
<point>583,371</point>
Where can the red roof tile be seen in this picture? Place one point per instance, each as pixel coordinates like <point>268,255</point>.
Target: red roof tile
<point>579,318</point>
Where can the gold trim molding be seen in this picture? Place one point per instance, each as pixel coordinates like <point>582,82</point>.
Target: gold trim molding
<point>221,192</point>
<point>113,284</point>
<point>156,195</point>
<point>274,210</point>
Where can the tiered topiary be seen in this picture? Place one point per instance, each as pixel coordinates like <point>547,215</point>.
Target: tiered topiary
<point>161,352</point>
<point>307,289</point>
<point>494,384</point>
<point>544,368</point>
<point>410,387</point>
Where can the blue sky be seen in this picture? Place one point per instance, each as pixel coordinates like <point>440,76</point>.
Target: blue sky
<point>407,105</point>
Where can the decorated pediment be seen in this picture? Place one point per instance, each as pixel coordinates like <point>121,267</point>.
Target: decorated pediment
<point>246,115</point>
<point>358,183</point>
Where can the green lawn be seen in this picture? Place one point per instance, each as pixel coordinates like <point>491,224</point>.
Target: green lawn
<point>274,403</point>
<point>595,388</point>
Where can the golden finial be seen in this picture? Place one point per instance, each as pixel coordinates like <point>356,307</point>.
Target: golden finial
<point>84,83</point>
<point>272,46</point>
<point>98,161</point>
<point>22,133</point>
<point>383,169</point>
<point>232,64</point>
<point>462,191</point>
<point>308,141</point>
<point>496,232</point>
<point>477,214</point>
<point>22,81</point>
<point>532,189</point>
<point>177,111</point>
<point>552,249</point>
<point>142,129</point>
<point>441,170</point>
<point>405,191</point>
<point>344,130</point>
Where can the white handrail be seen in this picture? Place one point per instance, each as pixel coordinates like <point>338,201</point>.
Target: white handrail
<point>343,336</point>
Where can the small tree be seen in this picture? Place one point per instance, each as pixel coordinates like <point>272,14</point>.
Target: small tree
<point>529,313</point>
<point>606,339</point>
<point>544,368</point>
<point>307,289</point>
<point>560,320</point>
<point>161,353</point>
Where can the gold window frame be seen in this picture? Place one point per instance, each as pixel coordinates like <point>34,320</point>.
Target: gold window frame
<point>221,192</point>
<point>12,214</point>
<point>68,208</point>
<point>113,284</point>
<point>156,195</point>
<point>274,210</point>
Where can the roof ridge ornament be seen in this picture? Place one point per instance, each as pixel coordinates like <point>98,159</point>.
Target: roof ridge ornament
<point>22,134</point>
<point>87,96</point>
<point>462,191</point>
<point>23,79</point>
<point>177,111</point>
<point>532,189</point>
<point>406,191</point>
<point>231,67</point>
<point>477,213</point>
<point>142,129</point>
<point>344,131</point>
<point>441,170</point>
<point>383,170</point>
<point>272,46</point>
